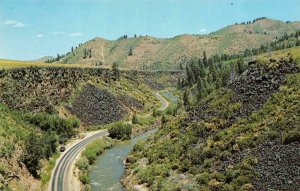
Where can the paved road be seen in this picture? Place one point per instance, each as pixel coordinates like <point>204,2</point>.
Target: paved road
<point>60,176</point>
<point>164,102</point>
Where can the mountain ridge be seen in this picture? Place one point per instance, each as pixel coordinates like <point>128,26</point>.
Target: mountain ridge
<point>146,52</point>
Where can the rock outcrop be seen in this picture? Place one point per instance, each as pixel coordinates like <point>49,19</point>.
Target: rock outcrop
<point>97,106</point>
<point>40,89</point>
<point>252,89</point>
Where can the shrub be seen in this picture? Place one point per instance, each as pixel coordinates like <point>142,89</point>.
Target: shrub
<point>84,178</point>
<point>82,164</point>
<point>135,119</point>
<point>203,178</point>
<point>65,128</point>
<point>120,131</point>
<point>292,136</point>
<point>7,150</point>
<point>156,113</point>
<point>34,151</point>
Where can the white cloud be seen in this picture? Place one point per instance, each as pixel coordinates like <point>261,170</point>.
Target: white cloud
<point>14,23</point>
<point>202,31</point>
<point>76,34</point>
<point>39,36</point>
<point>58,33</point>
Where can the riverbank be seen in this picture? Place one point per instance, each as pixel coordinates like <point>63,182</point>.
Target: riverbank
<point>142,125</point>
<point>109,167</point>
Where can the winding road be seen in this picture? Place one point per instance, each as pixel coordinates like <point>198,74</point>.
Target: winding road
<point>62,174</point>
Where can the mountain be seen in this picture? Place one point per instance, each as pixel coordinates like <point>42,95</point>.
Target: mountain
<point>243,136</point>
<point>43,59</point>
<point>167,53</point>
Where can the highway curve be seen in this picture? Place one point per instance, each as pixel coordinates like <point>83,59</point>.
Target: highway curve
<point>60,176</point>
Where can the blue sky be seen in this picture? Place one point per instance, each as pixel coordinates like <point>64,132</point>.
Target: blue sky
<point>30,29</point>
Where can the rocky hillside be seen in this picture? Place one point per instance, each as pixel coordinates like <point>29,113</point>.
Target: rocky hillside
<point>244,136</point>
<point>157,53</point>
<point>42,107</point>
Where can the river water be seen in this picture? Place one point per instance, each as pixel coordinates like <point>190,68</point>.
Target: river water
<point>109,168</point>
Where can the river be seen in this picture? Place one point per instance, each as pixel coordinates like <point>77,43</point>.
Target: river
<point>108,169</point>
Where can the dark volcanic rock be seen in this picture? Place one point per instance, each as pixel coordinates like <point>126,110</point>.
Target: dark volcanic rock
<point>253,88</point>
<point>97,106</point>
<point>40,89</point>
<point>278,167</point>
<point>131,102</point>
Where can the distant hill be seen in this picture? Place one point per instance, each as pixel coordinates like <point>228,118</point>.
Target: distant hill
<point>167,53</point>
<point>43,59</point>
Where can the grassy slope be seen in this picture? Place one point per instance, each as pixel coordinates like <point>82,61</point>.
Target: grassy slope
<point>158,53</point>
<point>9,64</point>
<point>192,157</point>
<point>14,131</point>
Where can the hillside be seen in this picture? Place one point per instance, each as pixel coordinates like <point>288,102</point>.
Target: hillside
<point>243,136</point>
<point>158,53</point>
<point>63,102</point>
<point>43,59</point>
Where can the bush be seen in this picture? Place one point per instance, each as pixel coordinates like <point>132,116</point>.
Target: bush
<point>65,128</point>
<point>85,179</point>
<point>156,113</point>
<point>95,148</point>
<point>34,151</point>
<point>135,119</point>
<point>292,136</point>
<point>7,150</point>
<point>120,131</point>
<point>82,164</point>
<point>203,178</point>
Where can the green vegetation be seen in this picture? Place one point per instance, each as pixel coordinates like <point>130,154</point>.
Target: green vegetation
<point>33,138</point>
<point>65,128</point>
<point>89,155</point>
<point>201,155</point>
<point>43,145</point>
<point>120,131</point>
<point>116,71</point>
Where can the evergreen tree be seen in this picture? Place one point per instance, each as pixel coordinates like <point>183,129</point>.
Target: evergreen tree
<point>186,98</point>
<point>201,68</point>
<point>199,85</point>
<point>135,119</point>
<point>85,54</point>
<point>195,70</point>
<point>205,59</point>
<point>240,66</point>
<point>164,119</point>
<point>130,52</point>
<point>90,53</point>
<point>190,75</point>
<point>116,71</point>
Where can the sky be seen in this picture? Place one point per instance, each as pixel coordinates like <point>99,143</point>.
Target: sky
<point>30,29</point>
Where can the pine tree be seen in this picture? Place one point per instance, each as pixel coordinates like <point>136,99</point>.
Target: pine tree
<point>130,52</point>
<point>85,54</point>
<point>90,53</point>
<point>164,119</point>
<point>240,66</point>
<point>190,75</point>
<point>205,59</point>
<point>135,119</point>
<point>116,71</point>
<point>186,98</point>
